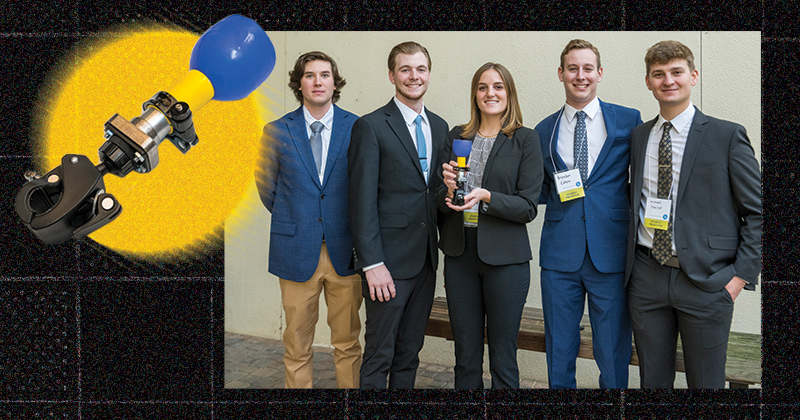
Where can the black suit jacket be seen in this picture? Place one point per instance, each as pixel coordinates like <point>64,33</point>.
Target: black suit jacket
<point>717,221</point>
<point>392,210</point>
<point>513,174</point>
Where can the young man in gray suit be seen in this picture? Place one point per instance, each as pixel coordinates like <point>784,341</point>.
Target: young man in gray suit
<point>695,238</point>
<point>393,220</point>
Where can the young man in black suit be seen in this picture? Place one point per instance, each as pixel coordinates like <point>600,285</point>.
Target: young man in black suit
<point>695,237</point>
<point>393,220</point>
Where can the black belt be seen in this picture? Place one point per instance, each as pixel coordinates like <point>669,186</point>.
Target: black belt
<point>672,262</point>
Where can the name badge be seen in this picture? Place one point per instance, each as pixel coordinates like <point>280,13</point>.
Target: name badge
<point>656,213</point>
<point>569,185</point>
<point>471,216</point>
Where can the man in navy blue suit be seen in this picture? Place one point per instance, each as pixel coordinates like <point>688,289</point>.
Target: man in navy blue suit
<point>302,180</point>
<point>586,151</point>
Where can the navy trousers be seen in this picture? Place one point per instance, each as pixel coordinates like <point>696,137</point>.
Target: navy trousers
<point>563,296</point>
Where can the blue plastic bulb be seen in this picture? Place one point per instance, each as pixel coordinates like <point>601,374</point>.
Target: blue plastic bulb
<point>462,147</point>
<point>236,55</point>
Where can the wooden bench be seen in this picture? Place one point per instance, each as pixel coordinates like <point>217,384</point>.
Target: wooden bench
<point>743,367</point>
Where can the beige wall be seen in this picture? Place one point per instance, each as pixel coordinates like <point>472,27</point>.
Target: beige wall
<point>729,88</point>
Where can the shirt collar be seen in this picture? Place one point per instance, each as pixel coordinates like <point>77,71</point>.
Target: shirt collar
<point>682,121</point>
<point>326,120</point>
<point>590,109</point>
<point>409,115</point>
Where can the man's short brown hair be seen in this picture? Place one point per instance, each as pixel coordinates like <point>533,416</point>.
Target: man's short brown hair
<point>666,51</point>
<point>579,44</point>
<point>300,68</point>
<point>409,48</point>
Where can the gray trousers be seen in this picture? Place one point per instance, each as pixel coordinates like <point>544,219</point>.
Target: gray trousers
<point>663,303</point>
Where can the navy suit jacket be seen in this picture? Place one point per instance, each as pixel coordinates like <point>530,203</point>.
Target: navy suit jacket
<point>303,210</point>
<point>717,221</point>
<point>599,220</point>
<point>392,209</point>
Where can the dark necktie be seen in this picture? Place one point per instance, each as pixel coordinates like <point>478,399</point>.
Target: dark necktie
<point>662,239</point>
<point>316,143</point>
<point>421,146</point>
<point>581,146</point>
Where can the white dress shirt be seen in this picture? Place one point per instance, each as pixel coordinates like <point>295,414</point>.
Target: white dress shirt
<point>595,133</point>
<point>678,135</point>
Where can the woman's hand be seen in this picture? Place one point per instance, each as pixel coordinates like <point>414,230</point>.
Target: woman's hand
<point>449,175</point>
<point>476,195</point>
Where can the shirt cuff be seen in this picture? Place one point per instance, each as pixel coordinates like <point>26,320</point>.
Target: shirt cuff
<point>370,267</point>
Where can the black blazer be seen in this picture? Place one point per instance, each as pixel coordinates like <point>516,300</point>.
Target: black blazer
<point>392,210</point>
<point>717,222</point>
<point>513,174</point>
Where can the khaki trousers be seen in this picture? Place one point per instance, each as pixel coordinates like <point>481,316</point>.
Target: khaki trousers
<point>301,304</point>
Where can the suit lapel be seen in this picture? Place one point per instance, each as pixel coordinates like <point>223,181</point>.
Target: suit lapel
<point>436,140</point>
<point>553,148</point>
<point>297,128</point>
<point>610,121</point>
<point>337,139</point>
<point>639,148</point>
<point>396,122</point>
<point>696,132</point>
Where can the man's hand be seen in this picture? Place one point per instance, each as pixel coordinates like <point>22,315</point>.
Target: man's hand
<point>380,283</point>
<point>735,287</point>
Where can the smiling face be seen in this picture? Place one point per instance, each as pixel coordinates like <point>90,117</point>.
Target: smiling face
<point>491,96</point>
<point>410,78</point>
<point>580,76</point>
<point>317,84</point>
<point>671,84</point>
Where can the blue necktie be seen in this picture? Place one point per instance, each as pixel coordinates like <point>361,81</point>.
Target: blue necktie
<point>316,142</point>
<point>422,150</point>
<point>581,146</point>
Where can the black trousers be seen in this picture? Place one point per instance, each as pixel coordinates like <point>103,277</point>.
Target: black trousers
<point>395,331</point>
<point>481,295</point>
<point>663,303</point>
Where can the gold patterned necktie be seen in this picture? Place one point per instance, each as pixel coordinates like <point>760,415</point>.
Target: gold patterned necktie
<point>662,239</point>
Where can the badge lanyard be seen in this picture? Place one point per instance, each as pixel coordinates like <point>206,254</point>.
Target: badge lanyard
<point>568,182</point>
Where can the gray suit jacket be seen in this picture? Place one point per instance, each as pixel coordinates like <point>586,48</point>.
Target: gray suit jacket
<point>717,221</point>
<point>392,210</point>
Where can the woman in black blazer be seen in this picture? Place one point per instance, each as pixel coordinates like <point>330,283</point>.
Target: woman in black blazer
<point>485,240</point>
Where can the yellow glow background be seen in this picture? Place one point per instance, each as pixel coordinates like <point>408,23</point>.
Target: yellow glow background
<point>183,202</point>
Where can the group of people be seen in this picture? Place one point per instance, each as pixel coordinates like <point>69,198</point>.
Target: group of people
<point>657,224</point>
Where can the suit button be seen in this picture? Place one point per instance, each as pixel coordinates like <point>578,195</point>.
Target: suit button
<point>319,220</point>
<point>583,218</point>
<point>322,197</point>
<point>422,224</point>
